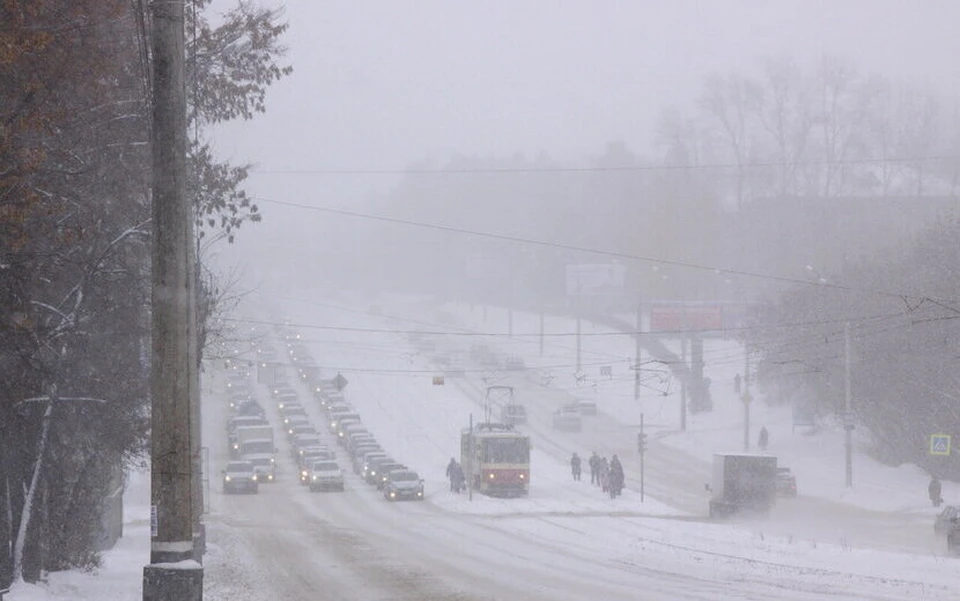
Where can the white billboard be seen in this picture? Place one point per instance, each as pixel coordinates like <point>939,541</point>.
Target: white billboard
<point>594,279</point>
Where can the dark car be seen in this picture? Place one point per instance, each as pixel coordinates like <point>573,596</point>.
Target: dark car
<point>403,484</point>
<point>362,462</point>
<point>946,520</point>
<point>240,476</point>
<point>371,473</point>
<point>786,482</point>
<point>384,470</point>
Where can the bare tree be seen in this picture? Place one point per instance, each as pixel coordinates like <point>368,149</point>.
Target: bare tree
<point>730,103</point>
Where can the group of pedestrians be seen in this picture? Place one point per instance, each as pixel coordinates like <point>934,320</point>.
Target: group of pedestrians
<point>607,474</point>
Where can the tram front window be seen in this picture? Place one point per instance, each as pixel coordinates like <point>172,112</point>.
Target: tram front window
<point>507,451</point>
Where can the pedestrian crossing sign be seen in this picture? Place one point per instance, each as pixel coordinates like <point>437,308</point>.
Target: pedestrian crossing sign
<point>939,444</point>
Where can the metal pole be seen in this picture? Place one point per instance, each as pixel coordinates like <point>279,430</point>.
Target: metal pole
<point>746,398</point>
<point>172,327</point>
<point>579,345</point>
<point>541,328</point>
<point>848,418</point>
<point>470,455</point>
<point>642,455</point>
<point>683,387</point>
<point>636,374</point>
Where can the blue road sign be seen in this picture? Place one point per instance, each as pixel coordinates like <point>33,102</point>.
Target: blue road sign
<point>939,444</point>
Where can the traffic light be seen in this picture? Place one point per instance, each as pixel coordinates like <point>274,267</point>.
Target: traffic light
<point>642,442</point>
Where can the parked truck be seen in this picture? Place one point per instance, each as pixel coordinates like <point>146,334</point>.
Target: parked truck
<point>742,483</point>
<point>257,446</point>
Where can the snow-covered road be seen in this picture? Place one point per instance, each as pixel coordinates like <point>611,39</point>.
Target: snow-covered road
<point>566,541</point>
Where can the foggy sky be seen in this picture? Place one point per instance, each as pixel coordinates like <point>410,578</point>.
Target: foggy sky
<point>382,84</point>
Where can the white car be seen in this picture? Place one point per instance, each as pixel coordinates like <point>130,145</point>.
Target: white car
<point>326,475</point>
<point>568,419</point>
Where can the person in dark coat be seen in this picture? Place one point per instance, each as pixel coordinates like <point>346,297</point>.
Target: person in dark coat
<point>763,439</point>
<point>616,477</point>
<point>575,466</point>
<point>934,491</point>
<point>452,471</point>
<point>594,464</point>
<point>457,480</point>
<point>604,474</point>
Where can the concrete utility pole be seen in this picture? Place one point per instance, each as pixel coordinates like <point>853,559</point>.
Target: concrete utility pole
<point>848,415</point>
<point>746,398</point>
<point>541,327</point>
<point>170,577</point>
<point>636,363</point>
<point>683,386</point>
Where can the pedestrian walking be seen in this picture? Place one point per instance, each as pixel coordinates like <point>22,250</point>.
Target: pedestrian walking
<point>763,439</point>
<point>452,469</point>
<point>934,491</point>
<point>604,474</point>
<point>616,477</point>
<point>575,466</point>
<point>594,464</point>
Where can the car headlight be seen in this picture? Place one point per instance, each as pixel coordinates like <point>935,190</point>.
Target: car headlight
<point>236,447</point>
<point>226,478</point>
<point>333,424</point>
<point>290,431</point>
<point>393,494</point>
<point>314,477</point>
<point>492,476</point>
<point>254,478</point>
<point>280,406</point>
<point>419,493</point>
<point>304,473</point>
<point>373,473</point>
<point>523,476</point>
<point>341,434</point>
<point>269,476</point>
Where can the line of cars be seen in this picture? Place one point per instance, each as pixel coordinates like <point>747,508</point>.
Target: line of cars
<point>367,457</point>
<point>249,436</point>
<point>317,464</point>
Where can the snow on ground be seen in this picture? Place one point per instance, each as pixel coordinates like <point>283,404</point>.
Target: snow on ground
<point>419,424</point>
<point>121,575</point>
<point>816,458</point>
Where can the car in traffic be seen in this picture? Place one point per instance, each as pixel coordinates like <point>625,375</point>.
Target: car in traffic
<point>347,428</point>
<point>266,470</point>
<point>403,484</point>
<point>786,482</point>
<point>362,463</point>
<point>301,441</point>
<point>337,418</point>
<point>371,472</point>
<point>384,472</point>
<point>240,477</point>
<point>567,419</point>
<point>326,475</point>
<point>586,406</point>
<point>291,426</point>
<point>513,414</point>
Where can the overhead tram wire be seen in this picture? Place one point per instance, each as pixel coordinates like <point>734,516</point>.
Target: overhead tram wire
<point>603,169</point>
<point>475,334</point>
<point>610,253</point>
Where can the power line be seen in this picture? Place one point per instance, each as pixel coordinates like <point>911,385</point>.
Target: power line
<point>607,253</point>
<point>606,169</point>
<point>628,333</point>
